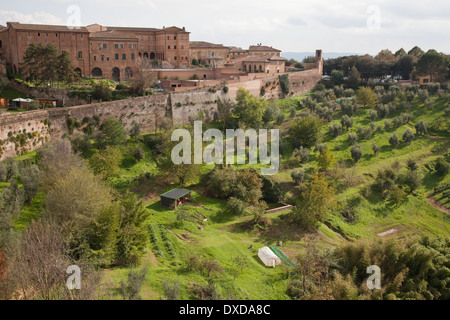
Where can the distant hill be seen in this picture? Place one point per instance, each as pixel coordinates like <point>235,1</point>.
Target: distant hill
<point>299,56</point>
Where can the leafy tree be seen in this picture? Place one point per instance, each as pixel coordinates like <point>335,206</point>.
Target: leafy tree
<point>315,202</point>
<point>298,176</point>
<point>337,77</point>
<point>302,154</point>
<point>434,64</point>
<point>141,82</point>
<point>106,162</point>
<point>270,190</point>
<point>421,127</point>
<point>416,52</point>
<point>346,121</point>
<point>271,113</point>
<point>404,66</point>
<point>46,64</point>
<point>325,159</point>
<point>130,290</point>
<point>352,138</point>
<point>135,130</point>
<point>366,97</point>
<point>376,149</point>
<point>224,111</point>
<point>400,53</point>
<point>249,109</point>
<point>306,132</point>
<point>235,207</point>
<point>101,92</point>
<point>133,234</point>
<point>393,141</point>
<point>412,179</point>
<point>111,133</point>
<point>335,129</point>
<point>354,78</point>
<point>29,176</point>
<point>441,166</point>
<point>171,289</point>
<point>284,83</point>
<point>408,136</point>
<point>356,153</point>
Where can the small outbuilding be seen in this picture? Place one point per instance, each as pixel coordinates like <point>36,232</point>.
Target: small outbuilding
<point>268,257</point>
<point>173,198</point>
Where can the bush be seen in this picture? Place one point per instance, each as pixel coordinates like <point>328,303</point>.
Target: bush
<point>376,149</point>
<point>235,207</point>
<point>393,141</point>
<point>352,138</point>
<point>441,166</point>
<point>138,154</point>
<point>421,127</point>
<point>335,129</point>
<point>298,176</point>
<point>408,136</point>
<point>346,122</point>
<point>302,154</point>
<point>356,153</point>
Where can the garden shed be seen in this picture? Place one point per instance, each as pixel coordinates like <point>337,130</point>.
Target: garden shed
<point>268,257</point>
<point>173,198</point>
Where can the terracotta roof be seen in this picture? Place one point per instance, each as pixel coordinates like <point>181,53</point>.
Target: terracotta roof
<point>113,34</point>
<point>204,44</point>
<point>234,49</point>
<point>135,29</point>
<point>45,27</point>
<point>262,48</point>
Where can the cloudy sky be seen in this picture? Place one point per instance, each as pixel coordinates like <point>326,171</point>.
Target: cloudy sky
<point>358,26</point>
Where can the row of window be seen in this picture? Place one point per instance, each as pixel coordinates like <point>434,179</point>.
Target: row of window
<point>56,35</point>
<point>116,57</point>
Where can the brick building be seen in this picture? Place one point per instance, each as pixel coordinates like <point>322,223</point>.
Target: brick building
<point>99,51</point>
<point>205,52</point>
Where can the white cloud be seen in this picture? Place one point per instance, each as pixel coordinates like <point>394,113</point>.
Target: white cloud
<point>37,17</point>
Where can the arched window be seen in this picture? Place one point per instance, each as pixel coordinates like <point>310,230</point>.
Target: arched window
<point>260,68</point>
<point>146,55</point>
<point>128,72</point>
<point>78,71</point>
<point>152,55</point>
<point>96,72</point>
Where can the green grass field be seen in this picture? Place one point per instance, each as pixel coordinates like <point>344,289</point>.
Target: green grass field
<point>223,238</point>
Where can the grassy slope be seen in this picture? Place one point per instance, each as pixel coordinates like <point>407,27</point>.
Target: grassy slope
<point>223,239</point>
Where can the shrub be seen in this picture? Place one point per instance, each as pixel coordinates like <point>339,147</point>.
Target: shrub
<point>373,114</point>
<point>346,122</point>
<point>421,127</point>
<point>393,141</point>
<point>408,136</point>
<point>298,176</point>
<point>235,207</point>
<point>441,166</point>
<point>356,153</point>
<point>302,154</point>
<point>335,129</point>
<point>376,149</point>
<point>351,138</point>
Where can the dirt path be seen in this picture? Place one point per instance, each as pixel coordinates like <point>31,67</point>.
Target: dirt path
<point>433,202</point>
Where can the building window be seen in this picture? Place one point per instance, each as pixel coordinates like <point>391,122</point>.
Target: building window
<point>124,56</point>
<point>104,46</point>
<point>168,47</point>
<point>95,58</point>
<point>142,38</point>
<point>56,35</point>
<point>116,56</point>
<point>102,57</point>
<point>28,34</point>
<point>116,46</point>
<point>80,54</point>
<point>39,34</point>
<point>168,37</point>
<point>174,37</point>
<point>132,56</point>
<point>174,47</point>
<point>107,58</point>
<point>175,58</point>
<point>46,34</point>
<point>81,36</point>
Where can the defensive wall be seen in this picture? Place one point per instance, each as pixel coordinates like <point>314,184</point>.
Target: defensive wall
<point>26,131</point>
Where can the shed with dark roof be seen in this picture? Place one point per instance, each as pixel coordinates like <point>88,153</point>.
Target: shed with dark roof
<point>171,199</point>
